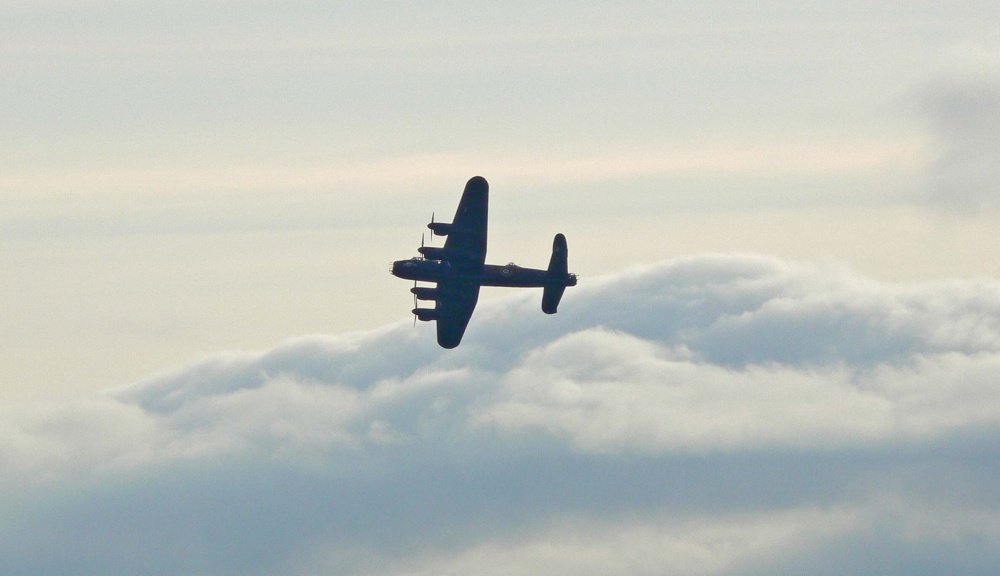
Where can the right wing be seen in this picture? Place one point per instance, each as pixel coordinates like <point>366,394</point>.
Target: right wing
<point>455,303</point>
<point>467,236</point>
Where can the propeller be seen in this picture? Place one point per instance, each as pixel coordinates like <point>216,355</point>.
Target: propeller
<point>414,305</point>
<point>432,226</point>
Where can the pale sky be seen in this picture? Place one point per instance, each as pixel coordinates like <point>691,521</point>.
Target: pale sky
<point>184,179</point>
<point>179,178</point>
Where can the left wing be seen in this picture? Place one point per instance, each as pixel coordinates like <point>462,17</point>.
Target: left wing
<point>455,303</point>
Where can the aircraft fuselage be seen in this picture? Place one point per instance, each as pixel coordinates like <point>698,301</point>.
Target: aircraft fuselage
<point>509,275</point>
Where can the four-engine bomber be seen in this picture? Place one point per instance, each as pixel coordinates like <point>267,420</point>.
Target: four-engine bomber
<point>459,268</point>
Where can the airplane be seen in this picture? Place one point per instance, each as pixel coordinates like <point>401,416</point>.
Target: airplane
<point>460,269</point>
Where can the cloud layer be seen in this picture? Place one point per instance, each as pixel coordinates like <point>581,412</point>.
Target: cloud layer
<point>719,414</point>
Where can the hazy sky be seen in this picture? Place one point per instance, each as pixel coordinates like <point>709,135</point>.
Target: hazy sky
<point>179,179</point>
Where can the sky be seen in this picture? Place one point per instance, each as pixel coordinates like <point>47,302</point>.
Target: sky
<point>781,357</point>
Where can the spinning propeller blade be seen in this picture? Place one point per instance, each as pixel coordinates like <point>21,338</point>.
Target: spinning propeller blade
<point>415,305</point>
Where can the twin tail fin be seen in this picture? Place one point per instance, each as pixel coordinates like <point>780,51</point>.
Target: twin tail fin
<point>558,272</point>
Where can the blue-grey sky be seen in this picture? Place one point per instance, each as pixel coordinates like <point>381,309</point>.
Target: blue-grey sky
<point>180,179</point>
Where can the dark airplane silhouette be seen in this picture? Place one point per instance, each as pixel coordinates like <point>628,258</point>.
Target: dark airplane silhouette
<point>459,268</point>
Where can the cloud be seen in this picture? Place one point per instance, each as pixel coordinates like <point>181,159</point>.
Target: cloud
<point>717,414</point>
<point>963,106</point>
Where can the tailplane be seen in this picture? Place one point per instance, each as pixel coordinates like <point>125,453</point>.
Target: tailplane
<point>558,272</point>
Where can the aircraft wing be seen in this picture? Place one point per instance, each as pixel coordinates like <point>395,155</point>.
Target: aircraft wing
<point>456,301</point>
<point>468,229</point>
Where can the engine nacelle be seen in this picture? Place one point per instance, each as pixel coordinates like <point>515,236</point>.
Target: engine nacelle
<point>433,252</point>
<point>440,228</point>
<point>425,293</point>
<point>425,314</point>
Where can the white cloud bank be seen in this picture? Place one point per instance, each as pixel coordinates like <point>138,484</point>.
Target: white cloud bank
<point>720,414</point>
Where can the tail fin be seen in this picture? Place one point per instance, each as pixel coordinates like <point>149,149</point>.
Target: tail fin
<point>557,264</point>
<point>558,270</point>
